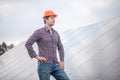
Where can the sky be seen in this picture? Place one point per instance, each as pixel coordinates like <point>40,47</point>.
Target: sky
<point>20,18</point>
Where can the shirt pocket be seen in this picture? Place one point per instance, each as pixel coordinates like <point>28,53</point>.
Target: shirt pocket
<point>47,39</point>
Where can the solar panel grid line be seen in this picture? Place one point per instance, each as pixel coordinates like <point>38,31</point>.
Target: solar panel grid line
<point>87,61</point>
<point>11,63</point>
<point>70,40</point>
<point>75,44</point>
<point>27,77</point>
<point>22,71</point>
<point>14,54</point>
<point>116,61</point>
<point>86,29</point>
<point>78,33</point>
<point>12,70</point>
<point>84,64</point>
<point>95,40</point>
<point>106,45</point>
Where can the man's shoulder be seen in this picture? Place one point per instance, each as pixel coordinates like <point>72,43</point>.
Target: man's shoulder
<point>40,29</point>
<point>56,31</point>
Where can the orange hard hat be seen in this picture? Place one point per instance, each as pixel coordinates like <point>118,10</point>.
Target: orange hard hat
<point>49,13</point>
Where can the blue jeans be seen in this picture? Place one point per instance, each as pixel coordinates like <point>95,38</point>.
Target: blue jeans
<point>47,69</point>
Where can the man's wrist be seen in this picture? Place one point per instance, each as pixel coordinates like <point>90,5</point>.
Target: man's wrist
<point>37,57</point>
<point>61,60</point>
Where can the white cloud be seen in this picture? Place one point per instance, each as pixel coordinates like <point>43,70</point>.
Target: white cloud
<point>26,16</point>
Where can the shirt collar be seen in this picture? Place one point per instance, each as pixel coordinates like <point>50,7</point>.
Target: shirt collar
<point>46,29</point>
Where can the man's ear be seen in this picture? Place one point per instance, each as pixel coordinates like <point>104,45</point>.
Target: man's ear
<point>44,18</point>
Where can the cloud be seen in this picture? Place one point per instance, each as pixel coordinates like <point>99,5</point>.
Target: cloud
<point>19,18</point>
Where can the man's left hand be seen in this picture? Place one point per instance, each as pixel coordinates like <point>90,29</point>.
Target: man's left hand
<point>62,65</point>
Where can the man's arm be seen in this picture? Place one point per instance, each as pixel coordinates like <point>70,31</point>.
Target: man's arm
<point>61,53</point>
<point>41,59</point>
<point>33,38</point>
<point>36,36</point>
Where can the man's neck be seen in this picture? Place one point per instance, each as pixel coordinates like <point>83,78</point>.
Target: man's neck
<point>49,27</point>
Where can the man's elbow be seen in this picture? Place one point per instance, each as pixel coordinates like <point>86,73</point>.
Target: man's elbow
<point>26,44</point>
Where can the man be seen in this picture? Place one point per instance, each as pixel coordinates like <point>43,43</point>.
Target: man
<point>48,40</point>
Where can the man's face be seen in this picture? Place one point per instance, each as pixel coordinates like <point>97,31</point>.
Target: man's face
<point>50,21</point>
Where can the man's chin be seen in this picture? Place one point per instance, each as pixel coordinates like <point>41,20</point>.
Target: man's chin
<point>52,24</point>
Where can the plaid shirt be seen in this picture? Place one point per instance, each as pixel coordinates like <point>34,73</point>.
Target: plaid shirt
<point>47,45</point>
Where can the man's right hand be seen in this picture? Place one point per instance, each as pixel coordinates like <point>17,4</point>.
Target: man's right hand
<point>41,59</point>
